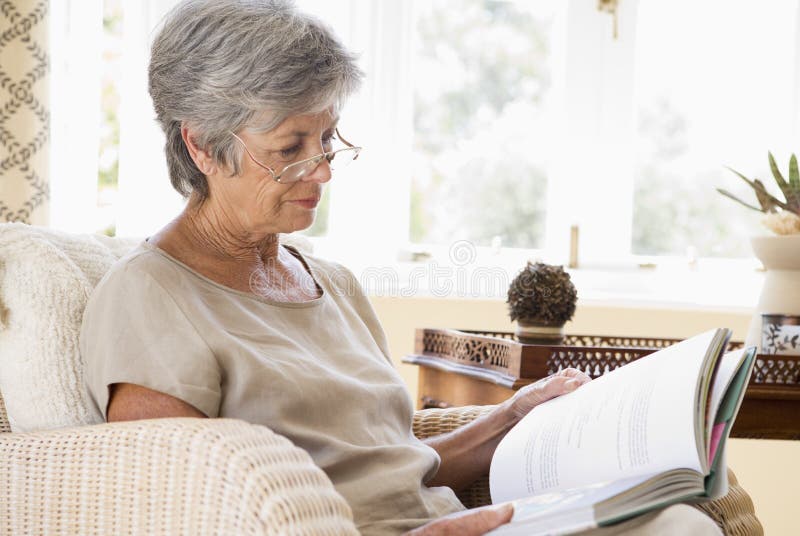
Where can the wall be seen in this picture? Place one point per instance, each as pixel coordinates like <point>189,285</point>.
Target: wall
<point>768,470</point>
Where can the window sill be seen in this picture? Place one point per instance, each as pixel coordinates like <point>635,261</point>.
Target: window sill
<point>708,284</point>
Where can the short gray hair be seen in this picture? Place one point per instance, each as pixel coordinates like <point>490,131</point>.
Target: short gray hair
<point>223,65</point>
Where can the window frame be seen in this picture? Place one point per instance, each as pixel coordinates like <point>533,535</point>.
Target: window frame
<point>370,210</point>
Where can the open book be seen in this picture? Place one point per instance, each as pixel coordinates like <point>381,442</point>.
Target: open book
<point>643,436</point>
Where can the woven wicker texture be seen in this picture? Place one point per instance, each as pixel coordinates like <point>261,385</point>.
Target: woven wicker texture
<point>432,422</point>
<point>165,476</point>
<point>4,426</point>
<point>734,512</point>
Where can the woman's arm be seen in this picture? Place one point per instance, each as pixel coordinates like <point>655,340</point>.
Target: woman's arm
<point>130,402</point>
<point>466,453</point>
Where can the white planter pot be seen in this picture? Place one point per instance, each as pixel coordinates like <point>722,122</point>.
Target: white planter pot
<point>780,294</point>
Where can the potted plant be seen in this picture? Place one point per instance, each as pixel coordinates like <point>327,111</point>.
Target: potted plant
<point>541,299</point>
<point>778,252</point>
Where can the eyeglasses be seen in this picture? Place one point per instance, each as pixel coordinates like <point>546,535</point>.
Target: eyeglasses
<point>297,170</point>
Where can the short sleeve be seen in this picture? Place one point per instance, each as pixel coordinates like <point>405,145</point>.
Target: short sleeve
<point>134,332</point>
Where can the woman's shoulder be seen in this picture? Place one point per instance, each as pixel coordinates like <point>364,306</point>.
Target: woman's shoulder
<point>334,273</point>
<point>325,266</point>
<point>137,271</point>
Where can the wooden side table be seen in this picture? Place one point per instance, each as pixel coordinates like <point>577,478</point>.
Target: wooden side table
<point>770,410</point>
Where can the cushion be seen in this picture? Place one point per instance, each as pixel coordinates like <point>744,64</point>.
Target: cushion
<point>46,277</point>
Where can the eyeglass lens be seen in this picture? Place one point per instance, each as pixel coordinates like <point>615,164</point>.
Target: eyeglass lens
<point>337,160</point>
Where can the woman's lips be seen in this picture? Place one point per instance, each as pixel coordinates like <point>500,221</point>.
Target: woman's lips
<point>308,203</point>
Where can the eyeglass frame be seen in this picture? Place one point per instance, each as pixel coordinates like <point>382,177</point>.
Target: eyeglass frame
<point>328,155</point>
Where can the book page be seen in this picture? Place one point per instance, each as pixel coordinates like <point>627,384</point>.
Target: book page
<point>728,366</point>
<point>563,511</point>
<point>726,405</point>
<point>638,419</point>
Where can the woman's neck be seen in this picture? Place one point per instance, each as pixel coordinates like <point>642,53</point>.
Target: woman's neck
<point>218,247</point>
<point>221,235</point>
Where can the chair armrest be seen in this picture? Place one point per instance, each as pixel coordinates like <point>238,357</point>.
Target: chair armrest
<point>165,476</point>
<point>734,513</point>
<point>433,422</point>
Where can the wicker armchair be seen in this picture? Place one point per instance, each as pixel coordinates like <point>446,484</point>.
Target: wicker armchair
<point>215,476</point>
<point>164,476</point>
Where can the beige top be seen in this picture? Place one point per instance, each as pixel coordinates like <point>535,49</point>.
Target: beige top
<point>317,372</point>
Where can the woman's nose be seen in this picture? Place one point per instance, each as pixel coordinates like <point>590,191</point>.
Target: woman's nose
<point>322,173</point>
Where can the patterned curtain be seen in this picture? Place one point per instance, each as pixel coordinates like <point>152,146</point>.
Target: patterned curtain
<point>24,111</point>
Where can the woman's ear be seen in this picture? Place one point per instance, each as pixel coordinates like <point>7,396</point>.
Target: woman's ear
<point>200,156</point>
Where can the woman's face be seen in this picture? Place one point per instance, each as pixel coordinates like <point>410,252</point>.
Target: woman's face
<point>259,204</point>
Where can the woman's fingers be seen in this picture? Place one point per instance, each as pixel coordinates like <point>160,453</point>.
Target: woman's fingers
<point>560,383</point>
<point>550,387</point>
<point>486,519</point>
<point>468,523</point>
<point>574,373</point>
<point>568,379</point>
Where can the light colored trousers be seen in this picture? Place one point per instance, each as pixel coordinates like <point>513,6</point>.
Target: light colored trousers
<point>676,519</point>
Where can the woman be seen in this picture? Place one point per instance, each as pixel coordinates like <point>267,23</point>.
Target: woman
<point>213,317</point>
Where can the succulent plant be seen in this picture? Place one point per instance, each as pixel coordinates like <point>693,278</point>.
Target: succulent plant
<point>542,293</point>
<point>768,203</point>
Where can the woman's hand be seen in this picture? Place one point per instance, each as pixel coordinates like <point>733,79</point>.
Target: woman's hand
<point>562,382</point>
<point>467,523</point>
<point>466,453</point>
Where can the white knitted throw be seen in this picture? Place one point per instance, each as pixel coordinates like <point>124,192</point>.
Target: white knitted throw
<point>46,277</point>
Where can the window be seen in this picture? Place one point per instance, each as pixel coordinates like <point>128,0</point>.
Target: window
<point>703,102</point>
<point>108,163</point>
<point>625,138</point>
<point>481,88</point>
<point>503,123</point>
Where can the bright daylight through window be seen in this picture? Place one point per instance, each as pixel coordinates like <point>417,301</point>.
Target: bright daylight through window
<point>502,124</point>
<point>703,103</point>
<point>481,88</point>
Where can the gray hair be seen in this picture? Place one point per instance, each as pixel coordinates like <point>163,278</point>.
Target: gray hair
<point>223,65</point>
